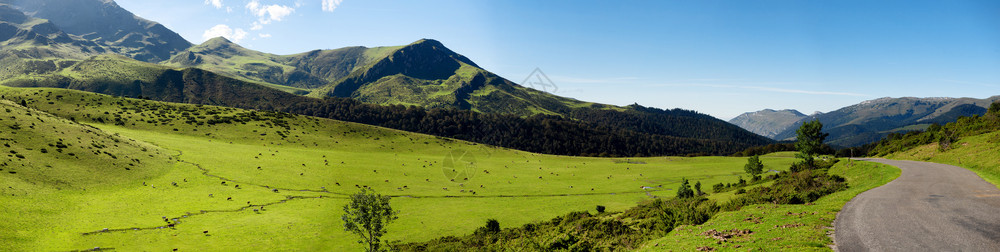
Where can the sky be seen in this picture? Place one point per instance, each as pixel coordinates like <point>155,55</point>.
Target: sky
<point>721,58</point>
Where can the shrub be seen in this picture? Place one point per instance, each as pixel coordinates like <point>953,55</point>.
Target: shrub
<point>600,209</point>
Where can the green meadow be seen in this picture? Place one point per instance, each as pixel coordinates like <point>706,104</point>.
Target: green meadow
<point>211,178</point>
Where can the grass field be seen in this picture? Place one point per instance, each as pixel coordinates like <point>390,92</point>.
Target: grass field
<point>779,227</point>
<point>229,179</point>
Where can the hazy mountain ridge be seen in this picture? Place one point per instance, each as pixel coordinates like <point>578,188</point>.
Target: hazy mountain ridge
<point>871,120</point>
<point>107,24</point>
<point>768,122</point>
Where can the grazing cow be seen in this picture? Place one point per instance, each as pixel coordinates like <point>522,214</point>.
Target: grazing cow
<point>275,190</point>
<point>230,198</point>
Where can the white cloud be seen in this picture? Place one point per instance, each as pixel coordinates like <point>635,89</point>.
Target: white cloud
<point>256,26</point>
<point>330,5</point>
<point>226,32</point>
<point>268,13</point>
<point>216,3</point>
<point>264,35</point>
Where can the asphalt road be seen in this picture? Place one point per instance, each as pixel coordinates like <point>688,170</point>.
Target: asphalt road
<point>930,207</point>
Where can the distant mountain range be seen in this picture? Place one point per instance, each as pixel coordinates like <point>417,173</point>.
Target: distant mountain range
<point>868,121</point>
<point>96,46</point>
<point>768,123</point>
<point>101,22</point>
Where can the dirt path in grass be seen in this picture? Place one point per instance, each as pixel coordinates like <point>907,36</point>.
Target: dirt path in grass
<point>930,207</point>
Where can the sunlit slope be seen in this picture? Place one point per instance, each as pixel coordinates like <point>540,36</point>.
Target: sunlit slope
<point>48,159</point>
<point>298,170</point>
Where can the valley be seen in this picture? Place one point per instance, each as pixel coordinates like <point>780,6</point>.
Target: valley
<point>119,133</point>
<point>306,167</point>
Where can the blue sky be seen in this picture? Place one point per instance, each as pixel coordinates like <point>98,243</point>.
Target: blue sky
<point>721,58</point>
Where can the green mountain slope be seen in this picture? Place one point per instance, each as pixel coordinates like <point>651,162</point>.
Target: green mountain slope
<point>120,76</point>
<point>424,73</point>
<point>105,23</point>
<point>306,70</point>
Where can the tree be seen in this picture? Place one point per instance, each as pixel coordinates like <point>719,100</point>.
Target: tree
<point>600,209</point>
<point>685,190</point>
<point>994,108</point>
<point>754,167</point>
<point>809,141</point>
<point>367,215</point>
<point>697,188</point>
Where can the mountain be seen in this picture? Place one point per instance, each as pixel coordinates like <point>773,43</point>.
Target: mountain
<point>302,71</point>
<point>121,76</point>
<point>768,122</point>
<point>105,23</point>
<point>426,74</point>
<point>872,120</point>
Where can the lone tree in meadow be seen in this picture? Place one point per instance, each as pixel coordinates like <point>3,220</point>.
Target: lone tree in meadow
<point>685,190</point>
<point>367,215</point>
<point>754,167</point>
<point>809,141</point>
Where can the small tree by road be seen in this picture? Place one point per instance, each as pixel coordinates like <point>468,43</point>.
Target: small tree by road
<point>367,215</point>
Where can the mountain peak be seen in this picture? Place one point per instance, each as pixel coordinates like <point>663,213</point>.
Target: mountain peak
<point>427,47</point>
<point>218,43</point>
<point>768,122</point>
<point>218,40</point>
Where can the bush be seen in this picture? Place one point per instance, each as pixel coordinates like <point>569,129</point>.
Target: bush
<point>492,226</point>
<point>717,188</point>
<point>600,209</point>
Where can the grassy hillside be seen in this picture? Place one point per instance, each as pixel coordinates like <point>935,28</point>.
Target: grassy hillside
<point>313,163</point>
<point>48,165</point>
